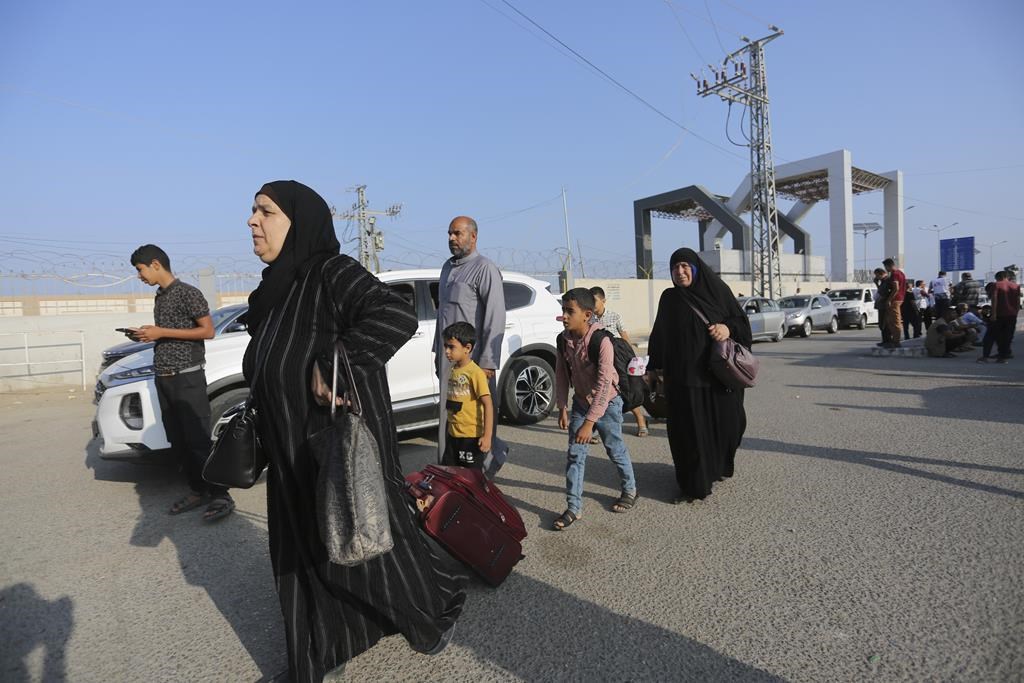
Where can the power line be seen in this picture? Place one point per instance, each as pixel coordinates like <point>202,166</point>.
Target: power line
<point>728,115</point>
<point>686,33</point>
<point>749,14</point>
<point>715,27</point>
<point>619,85</point>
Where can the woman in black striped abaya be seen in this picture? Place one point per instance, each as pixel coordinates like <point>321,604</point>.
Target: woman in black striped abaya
<point>311,295</point>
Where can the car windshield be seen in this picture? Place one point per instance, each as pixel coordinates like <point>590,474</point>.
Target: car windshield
<point>794,302</point>
<point>221,316</point>
<point>845,294</point>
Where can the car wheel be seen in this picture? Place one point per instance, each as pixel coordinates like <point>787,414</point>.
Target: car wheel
<point>833,326</point>
<point>222,404</point>
<point>863,321</point>
<point>528,393</point>
<point>782,333</point>
<point>805,330</point>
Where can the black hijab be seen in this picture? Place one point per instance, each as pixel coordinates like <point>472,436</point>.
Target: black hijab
<point>310,241</point>
<point>707,291</point>
<point>679,342</point>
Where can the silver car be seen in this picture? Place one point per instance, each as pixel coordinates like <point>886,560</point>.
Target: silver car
<point>805,313</point>
<point>767,320</point>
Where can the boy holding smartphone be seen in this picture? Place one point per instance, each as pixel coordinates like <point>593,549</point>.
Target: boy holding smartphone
<point>182,318</point>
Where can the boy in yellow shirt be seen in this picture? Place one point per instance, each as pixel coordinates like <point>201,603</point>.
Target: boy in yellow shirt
<point>470,408</point>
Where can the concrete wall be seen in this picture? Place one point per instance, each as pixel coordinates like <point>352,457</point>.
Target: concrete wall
<point>59,338</point>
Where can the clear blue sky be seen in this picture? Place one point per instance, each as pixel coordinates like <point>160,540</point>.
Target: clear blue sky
<point>124,123</point>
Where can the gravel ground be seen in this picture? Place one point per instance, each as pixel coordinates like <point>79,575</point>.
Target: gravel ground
<point>874,531</point>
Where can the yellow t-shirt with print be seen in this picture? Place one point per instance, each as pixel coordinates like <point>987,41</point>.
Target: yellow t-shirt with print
<point>466,385</point>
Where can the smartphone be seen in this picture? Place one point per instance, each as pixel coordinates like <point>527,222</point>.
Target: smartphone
<point>126,331</point>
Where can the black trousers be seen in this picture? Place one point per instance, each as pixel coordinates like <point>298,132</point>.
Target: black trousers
<point>186,416</point>
<point>1000,333</point>
<point>883,327</point>
<point>911,318</point>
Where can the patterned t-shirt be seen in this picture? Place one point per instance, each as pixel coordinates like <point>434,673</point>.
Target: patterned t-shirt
<point>178,306</point>
<point>611,321</point>
<point>466,386</point>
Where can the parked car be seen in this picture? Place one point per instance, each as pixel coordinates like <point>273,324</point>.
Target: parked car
<point>767,320</point>
<point>805,313</point>
<point>226,320</point>
<point>128,414</point>
<point>855,307</point>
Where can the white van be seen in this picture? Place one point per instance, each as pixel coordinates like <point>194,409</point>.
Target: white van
<point>856,306</point>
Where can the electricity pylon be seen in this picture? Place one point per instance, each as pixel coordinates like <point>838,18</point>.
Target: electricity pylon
<point>748,86</point>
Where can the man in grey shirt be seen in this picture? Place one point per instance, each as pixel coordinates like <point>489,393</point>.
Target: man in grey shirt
<point>470,290</point>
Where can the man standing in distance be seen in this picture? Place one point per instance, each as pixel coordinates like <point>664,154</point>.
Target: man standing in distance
<point>470,290</point>
<point>898,290</point>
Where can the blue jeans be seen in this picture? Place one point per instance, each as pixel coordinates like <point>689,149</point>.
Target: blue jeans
<point>610,429</point>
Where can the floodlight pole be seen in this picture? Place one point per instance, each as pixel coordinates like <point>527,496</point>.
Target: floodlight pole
<point>750,88</point>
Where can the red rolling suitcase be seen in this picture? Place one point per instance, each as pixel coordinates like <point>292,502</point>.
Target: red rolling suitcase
<point>466,513</point>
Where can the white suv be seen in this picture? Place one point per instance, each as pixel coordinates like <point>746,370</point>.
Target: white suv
<point>128,413</point>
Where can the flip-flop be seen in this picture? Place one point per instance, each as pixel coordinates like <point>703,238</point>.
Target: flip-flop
<point>218,509</point>
<point>642,431</point>
<point>189,502</point>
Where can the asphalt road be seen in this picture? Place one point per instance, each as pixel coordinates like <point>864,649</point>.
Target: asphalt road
<point>874,531</point>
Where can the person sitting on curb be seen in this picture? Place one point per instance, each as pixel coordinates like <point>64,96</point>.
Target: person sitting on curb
<point>942,339</point>
<point>969,322</point>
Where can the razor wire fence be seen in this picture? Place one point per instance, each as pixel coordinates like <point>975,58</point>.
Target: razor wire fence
<point>104,276</point>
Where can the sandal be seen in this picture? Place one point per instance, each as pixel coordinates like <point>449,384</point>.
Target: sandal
<point>218,509</point>
<point>567,519</point>
<point>189,502</point>
<point>625,502</point>
<point>642,431</point>
<point>594,439</point>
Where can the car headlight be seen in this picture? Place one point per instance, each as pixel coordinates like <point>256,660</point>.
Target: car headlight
<point>790,316</point>
<point>135,373</point>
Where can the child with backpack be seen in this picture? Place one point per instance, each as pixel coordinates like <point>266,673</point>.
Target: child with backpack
<point>470,408</point>
<point>612,321</point>
<point>595,405</point>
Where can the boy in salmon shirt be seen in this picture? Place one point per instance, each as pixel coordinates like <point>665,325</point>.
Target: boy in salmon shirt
<point>596,404</point>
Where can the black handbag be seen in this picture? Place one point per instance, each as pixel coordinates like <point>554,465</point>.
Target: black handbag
<point>351,501</point>
<point>236,458</point>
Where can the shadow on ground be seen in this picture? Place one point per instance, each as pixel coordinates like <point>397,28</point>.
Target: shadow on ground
<point>228,559</point>
<point>546,634</point>
<point>892,463</point>
<point>50,625</point>
<point>947,402</point>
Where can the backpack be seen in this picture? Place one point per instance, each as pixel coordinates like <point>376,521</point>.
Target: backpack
<point>632,389</point>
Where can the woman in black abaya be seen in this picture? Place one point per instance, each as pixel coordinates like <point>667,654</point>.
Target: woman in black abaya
<point>310,296</point>
<point>706,420</point>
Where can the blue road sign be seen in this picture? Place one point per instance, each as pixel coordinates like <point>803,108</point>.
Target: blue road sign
<point>956,254</point>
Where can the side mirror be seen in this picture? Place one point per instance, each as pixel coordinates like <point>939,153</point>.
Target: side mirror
<point>236,326</point>
<point>816,304</point>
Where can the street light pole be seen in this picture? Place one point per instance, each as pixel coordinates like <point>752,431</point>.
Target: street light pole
<point>938,237</point>
<point>866,229</point>
<point>991,248</point>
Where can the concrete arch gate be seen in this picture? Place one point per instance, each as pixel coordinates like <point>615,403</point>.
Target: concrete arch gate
<point>830,177</point>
